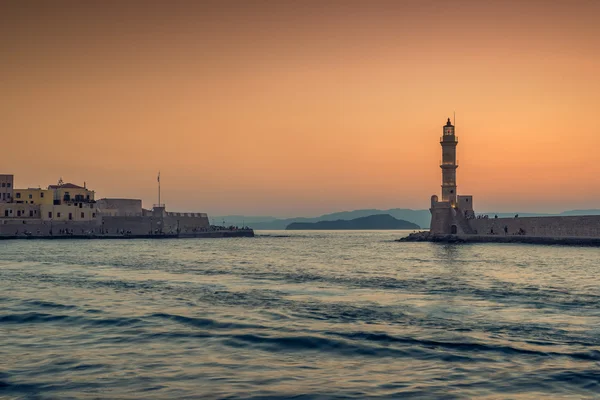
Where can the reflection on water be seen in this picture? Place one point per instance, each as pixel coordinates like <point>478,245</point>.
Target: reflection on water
<point>313,314</point>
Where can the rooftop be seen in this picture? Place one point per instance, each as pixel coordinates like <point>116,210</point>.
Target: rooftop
<point>66,186</point>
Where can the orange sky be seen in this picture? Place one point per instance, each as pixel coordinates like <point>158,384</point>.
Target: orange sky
<point>301,108</point>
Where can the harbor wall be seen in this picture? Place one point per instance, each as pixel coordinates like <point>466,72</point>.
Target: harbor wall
<point>557,227</point>
<point>135,225</point>
<point>147,224</point>
<point>186,223</point>
<point>167,224</point>
<point>11,227</point>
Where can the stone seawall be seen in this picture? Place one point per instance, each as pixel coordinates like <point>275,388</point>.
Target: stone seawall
<point>199,235</point>
<point>186,224</point>
<point>135,225</point>
<point>10,227</point>
<point>556,227</point>
<point>147,224</point>
<point>107,225</point>
<point>543,240</point>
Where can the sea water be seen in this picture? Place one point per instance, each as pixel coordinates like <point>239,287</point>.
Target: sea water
<point>297,315</point>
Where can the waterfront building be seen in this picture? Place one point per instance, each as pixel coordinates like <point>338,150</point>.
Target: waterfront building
<point>32,196</point>
<point>6,188</point>
<point>68,193</point>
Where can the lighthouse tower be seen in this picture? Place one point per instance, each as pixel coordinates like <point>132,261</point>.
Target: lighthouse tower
<point>449,142</point>
<point>451,214</point>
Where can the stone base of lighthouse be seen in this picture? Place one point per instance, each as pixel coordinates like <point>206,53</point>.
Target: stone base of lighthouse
<point>451,218</point>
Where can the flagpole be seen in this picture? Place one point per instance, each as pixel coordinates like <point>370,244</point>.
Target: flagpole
<point>159,188</point>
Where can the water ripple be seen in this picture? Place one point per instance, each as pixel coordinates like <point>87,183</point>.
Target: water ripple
<point>299,315</point>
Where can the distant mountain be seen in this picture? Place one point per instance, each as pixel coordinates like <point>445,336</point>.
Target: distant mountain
<point>420,217</point>
<point>379,221</point>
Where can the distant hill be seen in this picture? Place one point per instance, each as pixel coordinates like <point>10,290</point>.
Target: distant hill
<point>379,221</point>
<point>419,217</point>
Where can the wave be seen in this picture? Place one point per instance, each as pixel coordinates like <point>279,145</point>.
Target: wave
<point>262,235</point>
<point>205,322</point>
<point>40,318</point>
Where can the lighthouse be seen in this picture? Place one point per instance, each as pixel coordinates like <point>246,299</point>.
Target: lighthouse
<point>451,213</point>
<point>449,165</point>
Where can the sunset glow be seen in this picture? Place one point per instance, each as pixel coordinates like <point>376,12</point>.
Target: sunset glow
<point>271,108</point>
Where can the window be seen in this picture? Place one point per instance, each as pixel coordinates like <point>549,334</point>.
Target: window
<point>18,213</point>
<point>31,213</point>
<point>82,215</point>
<point>3,184</point>
<point>57,215</point>
<point>93,215</point>
<point>18,195</point>
<point>31,196</point>
<point>8,185</point>
<point>50,214</point>
<point>70,216</point>
<point>42,194</point>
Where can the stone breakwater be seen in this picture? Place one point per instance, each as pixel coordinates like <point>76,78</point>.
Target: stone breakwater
<point>500,238</point>
<point>197,235</point>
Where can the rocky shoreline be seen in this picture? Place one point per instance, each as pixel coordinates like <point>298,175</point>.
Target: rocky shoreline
<point>436,238</point>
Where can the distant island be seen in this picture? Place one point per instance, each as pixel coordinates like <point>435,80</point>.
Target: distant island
<point>379,221</point>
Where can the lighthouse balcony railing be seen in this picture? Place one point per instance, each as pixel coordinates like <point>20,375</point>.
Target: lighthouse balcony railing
<point>449,139</point>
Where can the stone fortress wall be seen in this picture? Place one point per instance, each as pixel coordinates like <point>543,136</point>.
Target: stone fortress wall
<point>111,225</point>
<point>106,224</point>
<point>558,227</point>
<point>169,223</point>
<point>187,222</point>
<point>135,225</point>
<point>14,226</point>
<point>148,224</point>
<point>120,207</point>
